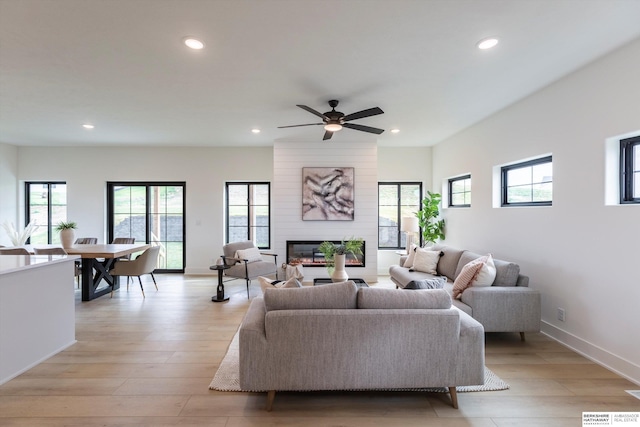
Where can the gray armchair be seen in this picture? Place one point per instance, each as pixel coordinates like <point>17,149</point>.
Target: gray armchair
<point>240,268</point>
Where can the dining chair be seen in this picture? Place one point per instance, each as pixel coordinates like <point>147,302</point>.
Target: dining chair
<point>86,241</point>
<point>14,251</point>
<point>49,251</point>
<point>145,263</point>
<point>124,241</point>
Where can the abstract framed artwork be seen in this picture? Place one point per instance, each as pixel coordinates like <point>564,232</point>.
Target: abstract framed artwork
<point>327,194</point>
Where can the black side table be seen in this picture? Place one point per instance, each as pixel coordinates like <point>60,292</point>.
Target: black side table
<point>219,297</point>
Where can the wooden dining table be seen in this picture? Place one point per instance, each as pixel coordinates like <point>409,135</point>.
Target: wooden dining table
<point>97,260</point>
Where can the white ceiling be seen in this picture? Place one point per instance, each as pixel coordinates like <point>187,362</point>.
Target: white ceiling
<point>121,65</point>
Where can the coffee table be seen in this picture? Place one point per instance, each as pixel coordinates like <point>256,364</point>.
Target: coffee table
<point>327,280</point>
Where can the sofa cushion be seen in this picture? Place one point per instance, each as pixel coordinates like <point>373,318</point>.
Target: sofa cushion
<point>468,273</point>
<point>448,261</point>
<point>431,283</point>
<point>506,272</point>
<point>487,273</point>
<point>382,298</point>
<point>404,276</point>
<point>426,260</point>
<point>408,262</point>
<point>266,283</point>
<point>342,295</point>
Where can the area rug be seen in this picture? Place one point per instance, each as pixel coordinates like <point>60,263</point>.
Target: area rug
<point>227,376</point>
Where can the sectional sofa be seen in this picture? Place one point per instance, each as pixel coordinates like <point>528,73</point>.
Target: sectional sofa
<point>508,305</point>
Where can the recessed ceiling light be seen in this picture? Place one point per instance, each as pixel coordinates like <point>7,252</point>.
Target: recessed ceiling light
<point>395,130</point>
<point>88,126</point>
<point>487,43</point>
<point>255,130</point>
<point>193,43</point>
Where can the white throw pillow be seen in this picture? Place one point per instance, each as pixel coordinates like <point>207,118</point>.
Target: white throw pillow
<point>426,261</point>
<point>412,255</point>
<point>487,273</point>
<point>251,254</point>
<point>266,283</point>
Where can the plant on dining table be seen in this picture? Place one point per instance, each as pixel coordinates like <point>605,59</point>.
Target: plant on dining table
<point>19,238</point>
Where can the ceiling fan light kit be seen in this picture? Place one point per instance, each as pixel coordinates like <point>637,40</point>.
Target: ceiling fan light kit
<point>334,121</point>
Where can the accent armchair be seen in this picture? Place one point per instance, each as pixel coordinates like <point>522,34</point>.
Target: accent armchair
<point>245,261</point>
<point>145,263</point>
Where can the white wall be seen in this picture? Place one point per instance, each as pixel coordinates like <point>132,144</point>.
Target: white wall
<point>288,160</point>
<point>581,254</point>
<point>8,190</point>
<point>205,171</point>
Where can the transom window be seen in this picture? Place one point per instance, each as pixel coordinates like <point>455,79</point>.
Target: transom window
<point>528,183</point>
<point>630,170</point>
<point>460,191</point>
<point>396,200</point>
<point>46,204</point>
<point>248,213</point>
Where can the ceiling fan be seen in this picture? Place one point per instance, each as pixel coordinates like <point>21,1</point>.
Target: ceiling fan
<point>334,120</point>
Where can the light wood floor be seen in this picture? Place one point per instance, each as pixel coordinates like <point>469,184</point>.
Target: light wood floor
<point>150,361</point>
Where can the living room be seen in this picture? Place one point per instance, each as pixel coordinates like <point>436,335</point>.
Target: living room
<point>579,119</point>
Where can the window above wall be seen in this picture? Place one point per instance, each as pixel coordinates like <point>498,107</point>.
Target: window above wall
<point>630,170</point>
<point>460,191</point>
<point>528,183</point>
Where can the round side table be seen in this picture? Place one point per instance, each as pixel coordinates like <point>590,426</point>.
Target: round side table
<point>219,296</point>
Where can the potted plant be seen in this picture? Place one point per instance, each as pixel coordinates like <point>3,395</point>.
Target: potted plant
<point>335,255</point>
<point>66,233</point>
<point>432,227</point>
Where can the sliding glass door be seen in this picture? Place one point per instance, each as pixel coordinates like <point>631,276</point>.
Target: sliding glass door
<point>152,212</point>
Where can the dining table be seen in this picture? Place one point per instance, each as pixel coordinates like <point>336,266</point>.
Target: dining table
<point>97,261</point>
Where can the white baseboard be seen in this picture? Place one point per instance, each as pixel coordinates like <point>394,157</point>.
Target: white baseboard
<point>614,363</point>
<point>198,271</point>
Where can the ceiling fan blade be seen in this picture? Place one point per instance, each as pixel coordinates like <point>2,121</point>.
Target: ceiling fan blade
<point>327,135</point>
<point>363,128</point>
<point>364,113</point>
<point>295,126</point>
<point>312,111</point>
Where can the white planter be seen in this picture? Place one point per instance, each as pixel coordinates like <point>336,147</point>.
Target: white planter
<point>339,273</point>
<point>67,237</point>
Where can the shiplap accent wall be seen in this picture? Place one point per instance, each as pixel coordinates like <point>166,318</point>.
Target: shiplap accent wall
<point>288,160</point>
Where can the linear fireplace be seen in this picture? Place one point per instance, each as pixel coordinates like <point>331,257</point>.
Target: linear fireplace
<point>306,252</point>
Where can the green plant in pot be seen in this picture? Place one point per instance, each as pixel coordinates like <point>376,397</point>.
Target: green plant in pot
<point>66,233</point>
<point>432,227</point>
<point>336,252</point>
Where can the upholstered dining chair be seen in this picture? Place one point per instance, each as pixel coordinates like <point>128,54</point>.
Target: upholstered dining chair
<point>245,261</point>
<point>124,241</point>
<point>145,263</point>
<point>49,251</point>
<point>86,241</point>
<point>14,251</point>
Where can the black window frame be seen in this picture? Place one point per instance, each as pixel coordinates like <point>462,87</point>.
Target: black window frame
<point>451,181</point>
<point>399,184</point>
<point>111,208</point>
<point>504,170</point>
<point>27,204</point>
<point>249,225</point>
<point>627,159</point>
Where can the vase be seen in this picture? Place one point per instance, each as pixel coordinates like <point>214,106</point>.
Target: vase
<point>66,237</point>
<point>339,272</point>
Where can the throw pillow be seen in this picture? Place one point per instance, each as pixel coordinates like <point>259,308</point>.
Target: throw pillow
<point>487,273</point>
<point>435,283</point>
<point>408,263</point>
<point>266,283</point>
<point>250,254</point>
<point>426,261</point>
<point>467,275</point>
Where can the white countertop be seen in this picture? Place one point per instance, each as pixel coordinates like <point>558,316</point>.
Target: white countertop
<point>14,263</point>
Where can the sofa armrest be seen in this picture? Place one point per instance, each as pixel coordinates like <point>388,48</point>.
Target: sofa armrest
<point>470,361</point>
<point>505,309</point>
<point>403,259</point>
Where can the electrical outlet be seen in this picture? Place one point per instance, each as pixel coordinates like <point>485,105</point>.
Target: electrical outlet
<point>561,314</point>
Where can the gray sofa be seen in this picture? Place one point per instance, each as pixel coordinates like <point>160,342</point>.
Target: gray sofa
<point>509,305</point>
<point>341,337</point>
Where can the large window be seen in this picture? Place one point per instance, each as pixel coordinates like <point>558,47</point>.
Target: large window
<point>630,170</point>
<point>46,204</point>
<point>151,212</point>
<point>248,213</point>
<point>460,192</point>
<point>528,183</point>
<point>396,200</point>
